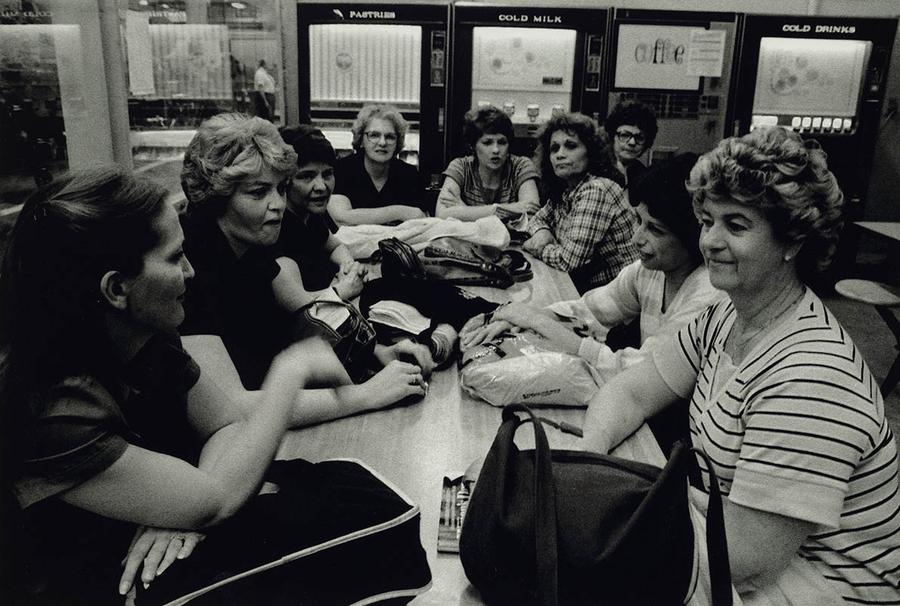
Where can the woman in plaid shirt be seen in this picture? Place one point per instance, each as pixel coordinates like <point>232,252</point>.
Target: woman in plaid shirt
<point>585,227</point>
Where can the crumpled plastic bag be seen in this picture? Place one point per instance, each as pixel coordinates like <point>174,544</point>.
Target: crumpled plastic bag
<point>523,367</point>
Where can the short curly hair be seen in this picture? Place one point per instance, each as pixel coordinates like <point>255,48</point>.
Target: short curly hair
<point>385,112</point>
<point>226,150</point>
<point>489,120</point>
<point>601,161</point>
<point>785,177</point>
<point>634,113</point>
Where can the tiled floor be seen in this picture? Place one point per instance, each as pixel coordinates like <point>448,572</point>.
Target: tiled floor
<point>876,343</point>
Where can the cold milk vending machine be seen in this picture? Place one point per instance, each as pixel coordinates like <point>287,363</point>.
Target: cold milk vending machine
<point>528,61</point>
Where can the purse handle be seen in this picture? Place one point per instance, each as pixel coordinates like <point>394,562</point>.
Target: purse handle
<point>545,515</point>
<point>544,506</point>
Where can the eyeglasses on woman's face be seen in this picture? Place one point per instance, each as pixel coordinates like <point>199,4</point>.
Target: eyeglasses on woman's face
<point>374,136</point>
<point>626,136</point>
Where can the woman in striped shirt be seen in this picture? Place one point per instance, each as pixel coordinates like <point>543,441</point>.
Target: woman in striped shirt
<point>781,399</point>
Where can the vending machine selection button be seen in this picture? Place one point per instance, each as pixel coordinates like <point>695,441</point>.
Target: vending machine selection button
<point>817,123</point>
<point>795,122</point>
<point>826,124</point>
<point>848,125</point>
<point>807,122</point>
<point>838,124</point>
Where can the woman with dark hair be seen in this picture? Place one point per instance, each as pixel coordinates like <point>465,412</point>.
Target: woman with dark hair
<point>666,287</point>
<point>585,225</point>
<point>781,400</point>
<point>118,449</point>
<point>632,127</point>
<point>491,180</point>
<point>306,228</point>
<point>237,171</point>
<point>373,185</point>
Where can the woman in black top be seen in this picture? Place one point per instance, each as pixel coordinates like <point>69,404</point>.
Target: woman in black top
<point>374,185</point>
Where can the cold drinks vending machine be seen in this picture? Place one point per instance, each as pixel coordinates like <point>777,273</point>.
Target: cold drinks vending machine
<point>823,77</point>
<point>679,64</point>
<point>351,55</point>
<point>528,61</point>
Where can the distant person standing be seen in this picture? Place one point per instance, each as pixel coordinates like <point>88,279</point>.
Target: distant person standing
<point>264,92</point>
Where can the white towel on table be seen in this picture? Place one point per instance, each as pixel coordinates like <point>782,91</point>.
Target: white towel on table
<point>362,240</point>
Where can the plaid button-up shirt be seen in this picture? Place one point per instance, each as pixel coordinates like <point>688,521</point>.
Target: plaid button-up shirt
<point>593,224</point>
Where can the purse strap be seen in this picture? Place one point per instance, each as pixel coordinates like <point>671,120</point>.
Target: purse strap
<point>716,541</point>
<point>544,506</point>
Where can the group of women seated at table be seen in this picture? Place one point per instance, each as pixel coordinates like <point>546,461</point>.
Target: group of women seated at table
<point>124,453</point>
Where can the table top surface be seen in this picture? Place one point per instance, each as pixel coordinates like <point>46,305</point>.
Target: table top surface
<point>890,229</point>
<point>415,446</point>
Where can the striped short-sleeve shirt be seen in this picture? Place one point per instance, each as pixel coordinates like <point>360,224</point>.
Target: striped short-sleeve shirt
<point>798,429</point>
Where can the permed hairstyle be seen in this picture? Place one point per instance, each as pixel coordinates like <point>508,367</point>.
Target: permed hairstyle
<point>385,112</point>
<point>601,161</point>
<point>226,150</point>
<point>788,179</point>
<point>662,189</point>
<point>487,120</point>
<point>635,114</point>
<point>67,236</point>
<point>309,143</point>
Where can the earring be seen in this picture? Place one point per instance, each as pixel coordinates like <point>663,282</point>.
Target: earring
<point>788,257</point>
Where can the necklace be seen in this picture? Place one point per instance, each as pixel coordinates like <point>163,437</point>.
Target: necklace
<point>738,343</point>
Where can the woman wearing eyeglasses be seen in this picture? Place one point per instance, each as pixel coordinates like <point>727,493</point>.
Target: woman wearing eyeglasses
<point>632,127</point>
<point>373,185</point>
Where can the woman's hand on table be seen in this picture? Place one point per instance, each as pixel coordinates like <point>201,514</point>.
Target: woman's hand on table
<point>406,351</point>
<point>478,331</point>
<point>536,243</point>
<point>397,380</point>
<point>153,550</point>
<point>348,284</point>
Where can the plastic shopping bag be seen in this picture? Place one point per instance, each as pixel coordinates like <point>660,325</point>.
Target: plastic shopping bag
<point>523,367</point>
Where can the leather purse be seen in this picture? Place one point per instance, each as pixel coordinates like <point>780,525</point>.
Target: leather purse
<point>353,339</point>
<point>549,527</point>
<point>454,261</point>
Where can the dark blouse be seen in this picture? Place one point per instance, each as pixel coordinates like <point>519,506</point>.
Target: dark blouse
<point>86,426</point>
<point>404,184</point>
<point>303,240</point>
<point>232,297</point>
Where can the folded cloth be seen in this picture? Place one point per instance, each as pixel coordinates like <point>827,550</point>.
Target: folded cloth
<point>399,315</point>
<point>362,240</point>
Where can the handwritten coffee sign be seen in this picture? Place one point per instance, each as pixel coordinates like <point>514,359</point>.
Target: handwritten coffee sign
<point>654,57</point>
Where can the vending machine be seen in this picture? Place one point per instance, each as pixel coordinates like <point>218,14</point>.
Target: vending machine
<point>823,77</point>
<point>528,61</point>
<point>351,55</point>
<point>679,64</point>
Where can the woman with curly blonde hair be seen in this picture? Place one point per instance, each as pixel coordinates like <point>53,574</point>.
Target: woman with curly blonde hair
<point>374,185</point>
<point>781,399</point>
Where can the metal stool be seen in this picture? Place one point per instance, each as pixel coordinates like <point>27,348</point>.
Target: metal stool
<point>882,298</point>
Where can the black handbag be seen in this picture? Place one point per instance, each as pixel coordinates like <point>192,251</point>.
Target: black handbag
<point>454,261</point>
<point>548,527</point>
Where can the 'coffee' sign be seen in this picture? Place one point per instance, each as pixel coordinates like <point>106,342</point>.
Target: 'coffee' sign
<point>653,57</point>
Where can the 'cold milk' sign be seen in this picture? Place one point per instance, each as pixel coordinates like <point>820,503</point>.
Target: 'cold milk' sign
<point>654,57</point>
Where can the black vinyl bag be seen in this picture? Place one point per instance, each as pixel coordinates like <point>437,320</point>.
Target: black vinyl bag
<point>570,527</point>
<point>454,261</point>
